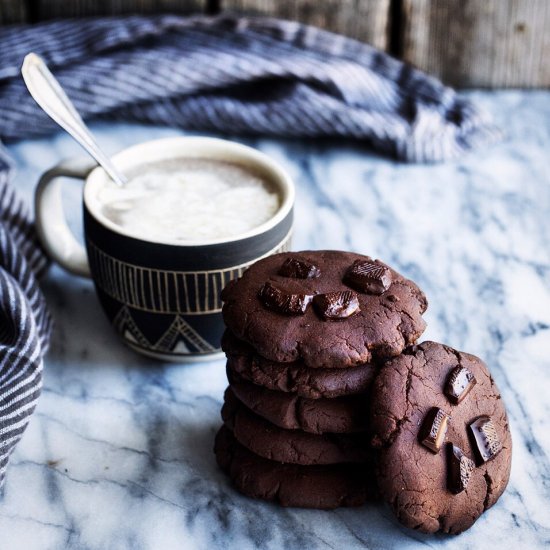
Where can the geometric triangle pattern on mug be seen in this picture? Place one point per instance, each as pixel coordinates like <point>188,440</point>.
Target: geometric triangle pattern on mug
<point>180,337</point>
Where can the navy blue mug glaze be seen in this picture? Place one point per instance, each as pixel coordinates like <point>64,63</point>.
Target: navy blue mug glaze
<point>162,298</point>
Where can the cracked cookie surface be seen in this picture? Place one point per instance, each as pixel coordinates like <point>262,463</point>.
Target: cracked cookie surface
<point>339,415</point>
<point>384,325</point>
<point>243,362</point>
<point>291,446</point>
<point>411,478</point>
<point>322,487</point>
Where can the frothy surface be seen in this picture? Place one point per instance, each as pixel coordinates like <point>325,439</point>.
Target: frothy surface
<point>189,200</point>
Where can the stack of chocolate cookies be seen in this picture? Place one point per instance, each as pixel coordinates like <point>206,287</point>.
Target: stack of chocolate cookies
<point>306,333</point>
<point>330,402</point>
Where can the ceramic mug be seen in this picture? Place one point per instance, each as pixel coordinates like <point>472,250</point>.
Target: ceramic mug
<point>162,297</point>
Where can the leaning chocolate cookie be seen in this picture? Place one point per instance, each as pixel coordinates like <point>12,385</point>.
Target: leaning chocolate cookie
<point>445,445</point>
<point>330,309</point>
<point>295,377</point>
<point>323,487</point>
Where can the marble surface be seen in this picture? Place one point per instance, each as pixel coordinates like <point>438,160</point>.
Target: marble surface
<point>119,452</point>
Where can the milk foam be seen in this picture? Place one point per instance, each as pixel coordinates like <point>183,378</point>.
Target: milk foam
<point>189,200</point>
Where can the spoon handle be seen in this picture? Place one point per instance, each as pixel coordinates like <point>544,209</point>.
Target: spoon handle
<point>47,92</point>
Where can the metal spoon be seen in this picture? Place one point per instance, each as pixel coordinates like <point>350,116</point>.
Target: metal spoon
<point>47,92</point>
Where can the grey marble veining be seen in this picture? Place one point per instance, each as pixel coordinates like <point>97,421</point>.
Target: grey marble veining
<point>119,452</point>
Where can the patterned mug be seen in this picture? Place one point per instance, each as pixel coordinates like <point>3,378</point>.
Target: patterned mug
<point>163,298</point>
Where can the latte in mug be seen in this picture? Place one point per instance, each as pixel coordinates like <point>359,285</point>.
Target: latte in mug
<point>189,200</point>
<point>196,213</point>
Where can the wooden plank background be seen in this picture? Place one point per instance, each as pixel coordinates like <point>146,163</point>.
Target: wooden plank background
<point>51,9</point>
<point>365,20</point>
<point>13,11</point>
<point>466,43</point>
<point>501,43</point>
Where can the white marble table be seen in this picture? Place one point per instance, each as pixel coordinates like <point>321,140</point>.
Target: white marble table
<point>119,452</point>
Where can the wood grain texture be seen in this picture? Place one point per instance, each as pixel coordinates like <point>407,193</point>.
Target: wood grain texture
<point>479,43</point>
<point>12,11</point>
<point>366,20</point>
<point>466,43</point>
<point>49,9</point>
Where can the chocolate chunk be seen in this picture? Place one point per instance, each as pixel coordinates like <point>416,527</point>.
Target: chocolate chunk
<point>459,469</point>
<point>299,269</point>
<point>368,277</point>
<point>433,430</point>
<point>487,443</point>
<point>459,383</point>
<point>284,302</point>
<point>412,349</point>
<point>336,305</point>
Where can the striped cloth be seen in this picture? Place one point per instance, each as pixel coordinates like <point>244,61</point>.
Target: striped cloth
<point>236,75</point>
<point>260,76</point>
<point>24,320</point>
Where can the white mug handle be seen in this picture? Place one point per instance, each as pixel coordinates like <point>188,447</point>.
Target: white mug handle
<point>51,224</point>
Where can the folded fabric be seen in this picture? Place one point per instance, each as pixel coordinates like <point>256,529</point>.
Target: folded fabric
<point>24,321</point>
<point>239,75</point>
<point>235,75</point>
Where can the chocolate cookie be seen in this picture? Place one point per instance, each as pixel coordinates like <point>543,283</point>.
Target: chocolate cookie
<point>311,383</point>
<point>338,309</point>
<point>323,487</point>
<point>442,430</point>
<point>317,416</point>
<point>292,446</point>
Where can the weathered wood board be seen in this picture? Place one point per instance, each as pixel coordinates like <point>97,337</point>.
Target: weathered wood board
<point>12,11</point>
<point>466,43</point>
<point>49,9</point>
<point>479,43</point>
<point>366,20</point>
